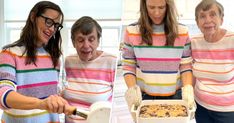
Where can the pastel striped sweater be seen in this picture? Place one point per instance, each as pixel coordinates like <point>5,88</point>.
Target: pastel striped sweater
<point>36,81</point>
<point>214,71</point>
<point>157,68</point>
<point>88,82</point>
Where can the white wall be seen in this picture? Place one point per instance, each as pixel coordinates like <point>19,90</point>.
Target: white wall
<point>228,14</point>
<point>2,39</point>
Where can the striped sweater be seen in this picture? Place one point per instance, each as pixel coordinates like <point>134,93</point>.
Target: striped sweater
<point>89,82</point>
<point>36,81</point>
<point>158,67</point>
<point>214,71</point>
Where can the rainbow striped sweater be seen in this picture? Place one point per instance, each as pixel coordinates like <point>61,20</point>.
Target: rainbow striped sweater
<point>214,71</point>
<point>158,67</point>
<point>38,81</point>
<point>89,82</point>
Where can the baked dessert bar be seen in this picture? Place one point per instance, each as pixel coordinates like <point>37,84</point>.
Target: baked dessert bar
<point>163,110</point>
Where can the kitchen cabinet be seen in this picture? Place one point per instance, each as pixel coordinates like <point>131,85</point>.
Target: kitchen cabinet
<point>186,9</point>
<point>130,11</point>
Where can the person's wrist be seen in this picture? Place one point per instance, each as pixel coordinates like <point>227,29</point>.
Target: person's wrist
<point>132,85</point>
<point>187,85</point>
<point>39,104</point>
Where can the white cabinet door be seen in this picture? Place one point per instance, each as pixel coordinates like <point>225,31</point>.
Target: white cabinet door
<point>130,10</point>
<point>186,8</point>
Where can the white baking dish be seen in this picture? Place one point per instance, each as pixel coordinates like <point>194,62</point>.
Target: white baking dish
<point>136,112</point>
<point>99,112</point>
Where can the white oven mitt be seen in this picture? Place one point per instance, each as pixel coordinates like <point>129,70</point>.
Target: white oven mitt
<point>133,97</point>
<point>188,96</point>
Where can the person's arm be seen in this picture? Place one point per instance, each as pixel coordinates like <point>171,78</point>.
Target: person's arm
<point>19,101</point>
<point>186,64</point>
<point>130,80</point>
<point>187,78</point>
<point>53,103</point>
<point>133,94</point>
<point>128,62</point>
<point>113,68</point>
<point>12,99</point>
<point>187,89</point>
<point>186,75</point>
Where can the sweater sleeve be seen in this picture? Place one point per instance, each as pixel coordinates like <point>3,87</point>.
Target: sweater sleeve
<point>185,64</point>
<point>7,76</point>
<point>113,68</point>
<point>128,55</point>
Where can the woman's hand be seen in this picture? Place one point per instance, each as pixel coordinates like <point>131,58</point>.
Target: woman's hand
<point>188,95</point>
<point>56,104</point>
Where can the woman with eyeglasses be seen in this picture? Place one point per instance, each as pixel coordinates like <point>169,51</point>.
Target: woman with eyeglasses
<point>29,69</point>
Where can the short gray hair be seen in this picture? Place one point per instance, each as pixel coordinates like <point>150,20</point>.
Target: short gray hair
<point>206,5</point>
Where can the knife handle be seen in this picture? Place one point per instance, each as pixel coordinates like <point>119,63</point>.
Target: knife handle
<point>80,113</point>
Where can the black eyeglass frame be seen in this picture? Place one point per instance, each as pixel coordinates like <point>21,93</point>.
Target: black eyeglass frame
<point>50,22</point>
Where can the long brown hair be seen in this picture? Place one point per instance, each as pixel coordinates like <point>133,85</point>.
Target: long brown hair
<point>29,35</point>
<point>170,23</point>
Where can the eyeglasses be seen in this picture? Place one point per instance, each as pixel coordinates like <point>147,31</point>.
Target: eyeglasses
<point>50,22</point>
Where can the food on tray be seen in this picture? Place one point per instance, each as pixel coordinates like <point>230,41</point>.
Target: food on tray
<point>163,110</point>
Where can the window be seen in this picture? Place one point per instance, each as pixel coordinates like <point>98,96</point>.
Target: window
<point>15,17</point>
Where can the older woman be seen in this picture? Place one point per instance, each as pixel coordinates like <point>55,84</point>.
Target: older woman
<point>213,66</point>
<point>90,72</point>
